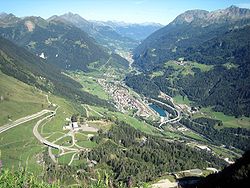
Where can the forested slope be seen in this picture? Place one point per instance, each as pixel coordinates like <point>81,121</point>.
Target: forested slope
<point>26,67</point>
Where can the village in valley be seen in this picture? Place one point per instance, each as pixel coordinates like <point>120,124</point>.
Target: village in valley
<point>124,100</point>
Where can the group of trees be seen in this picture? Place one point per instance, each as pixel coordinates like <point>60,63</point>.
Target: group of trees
<point>235,175</point>
<point>132,153</point>
<point>226,90</point>
<point>238,138</point>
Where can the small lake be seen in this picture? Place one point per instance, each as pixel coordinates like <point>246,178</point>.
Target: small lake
<point>158,109</point>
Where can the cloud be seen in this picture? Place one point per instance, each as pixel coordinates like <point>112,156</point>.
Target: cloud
<point>243,5</point>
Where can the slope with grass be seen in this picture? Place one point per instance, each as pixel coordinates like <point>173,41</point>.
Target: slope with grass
<point>18,99</point>
<point>26,67</point>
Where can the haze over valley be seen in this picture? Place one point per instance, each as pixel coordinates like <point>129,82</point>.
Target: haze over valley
<point>88,102</point>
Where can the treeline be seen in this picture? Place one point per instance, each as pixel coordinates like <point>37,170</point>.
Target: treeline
<point>141,157</point>
<point>238,138</point>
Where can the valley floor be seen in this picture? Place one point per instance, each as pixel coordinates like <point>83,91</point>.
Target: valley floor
<point>51,127</point>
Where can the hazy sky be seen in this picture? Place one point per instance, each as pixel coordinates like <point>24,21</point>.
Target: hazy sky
<point>160,11</point>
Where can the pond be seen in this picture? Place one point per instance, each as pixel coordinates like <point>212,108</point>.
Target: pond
<point>158,109</point>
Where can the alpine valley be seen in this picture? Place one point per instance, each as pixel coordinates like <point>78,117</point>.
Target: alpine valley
<point>88,103</point>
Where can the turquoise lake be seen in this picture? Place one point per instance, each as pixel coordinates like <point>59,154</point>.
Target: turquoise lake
<point>158,109</point>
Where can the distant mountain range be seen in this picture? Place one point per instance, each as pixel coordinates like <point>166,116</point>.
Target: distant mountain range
<point>113,35</point>
<point>69,41</point>
<point>59,42</point>
<point>135,31</point>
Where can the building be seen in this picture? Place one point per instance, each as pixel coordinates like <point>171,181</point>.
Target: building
<point>72,124</point>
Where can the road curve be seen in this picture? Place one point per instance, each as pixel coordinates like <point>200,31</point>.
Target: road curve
<point>23,120</point>
<point>46,142</point>
<point>174,120</point>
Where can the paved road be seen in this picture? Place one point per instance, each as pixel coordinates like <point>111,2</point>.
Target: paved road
<point>52,144</point>
<point>46,142</point>
<point>174,120</point>
<point>23,120</point>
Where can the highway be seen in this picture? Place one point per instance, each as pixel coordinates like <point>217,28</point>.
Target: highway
<point>46,142</point>
<point>174,120</point>
<point>23,120</point>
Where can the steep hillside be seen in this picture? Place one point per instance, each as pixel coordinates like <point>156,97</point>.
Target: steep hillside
<point>60,43</point>
<point>195,34</point>
<point>202,55</point>
<point>18,99</point>
<point>235,175</point>
<point>24,66</point>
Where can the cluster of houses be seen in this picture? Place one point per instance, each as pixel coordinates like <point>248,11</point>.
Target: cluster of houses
<point>123,99</point>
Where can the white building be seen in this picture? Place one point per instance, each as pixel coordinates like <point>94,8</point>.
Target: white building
<point>72,124</point>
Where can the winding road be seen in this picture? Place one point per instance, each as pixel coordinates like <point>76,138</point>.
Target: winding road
<point>23,120</point>
<point>46,142</point>
<point>174,120</point>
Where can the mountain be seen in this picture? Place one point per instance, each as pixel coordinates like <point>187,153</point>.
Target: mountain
<point>235,175</point>
<point>202,55</point>
<point>57,41</point>
<point>17,62</point>
<point>103,34</point>
<point>192,30</point>
<point>8,19</point>
<point>132,30</point>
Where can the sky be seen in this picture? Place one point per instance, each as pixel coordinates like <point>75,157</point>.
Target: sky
<point>133,11</point>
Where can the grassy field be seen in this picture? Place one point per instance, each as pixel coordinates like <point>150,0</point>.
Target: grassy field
<point>170,134</point>
<point>65,141</point>
<point>18,146</point>
<point>100,124</point>
<point>89,84</point>
<point>18,99</point>
<point>156,74</point>
<point>228,121</point>
<point>128,119</point>
<point>53,136</point>
<point>66,110</point>
<point>222,152</point>
<point>194,136</point>
<point>179,100</point>
<point>65,159</point>
<point>187,67</point>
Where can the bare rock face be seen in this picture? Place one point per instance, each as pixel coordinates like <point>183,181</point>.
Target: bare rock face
<point>30,25</point>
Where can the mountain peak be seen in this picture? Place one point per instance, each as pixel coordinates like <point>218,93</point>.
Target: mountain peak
<point>74,19</point>
<point>190,16</point>
<point>203,17</point>
<point>8,19</point>
<point>3,14</point>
